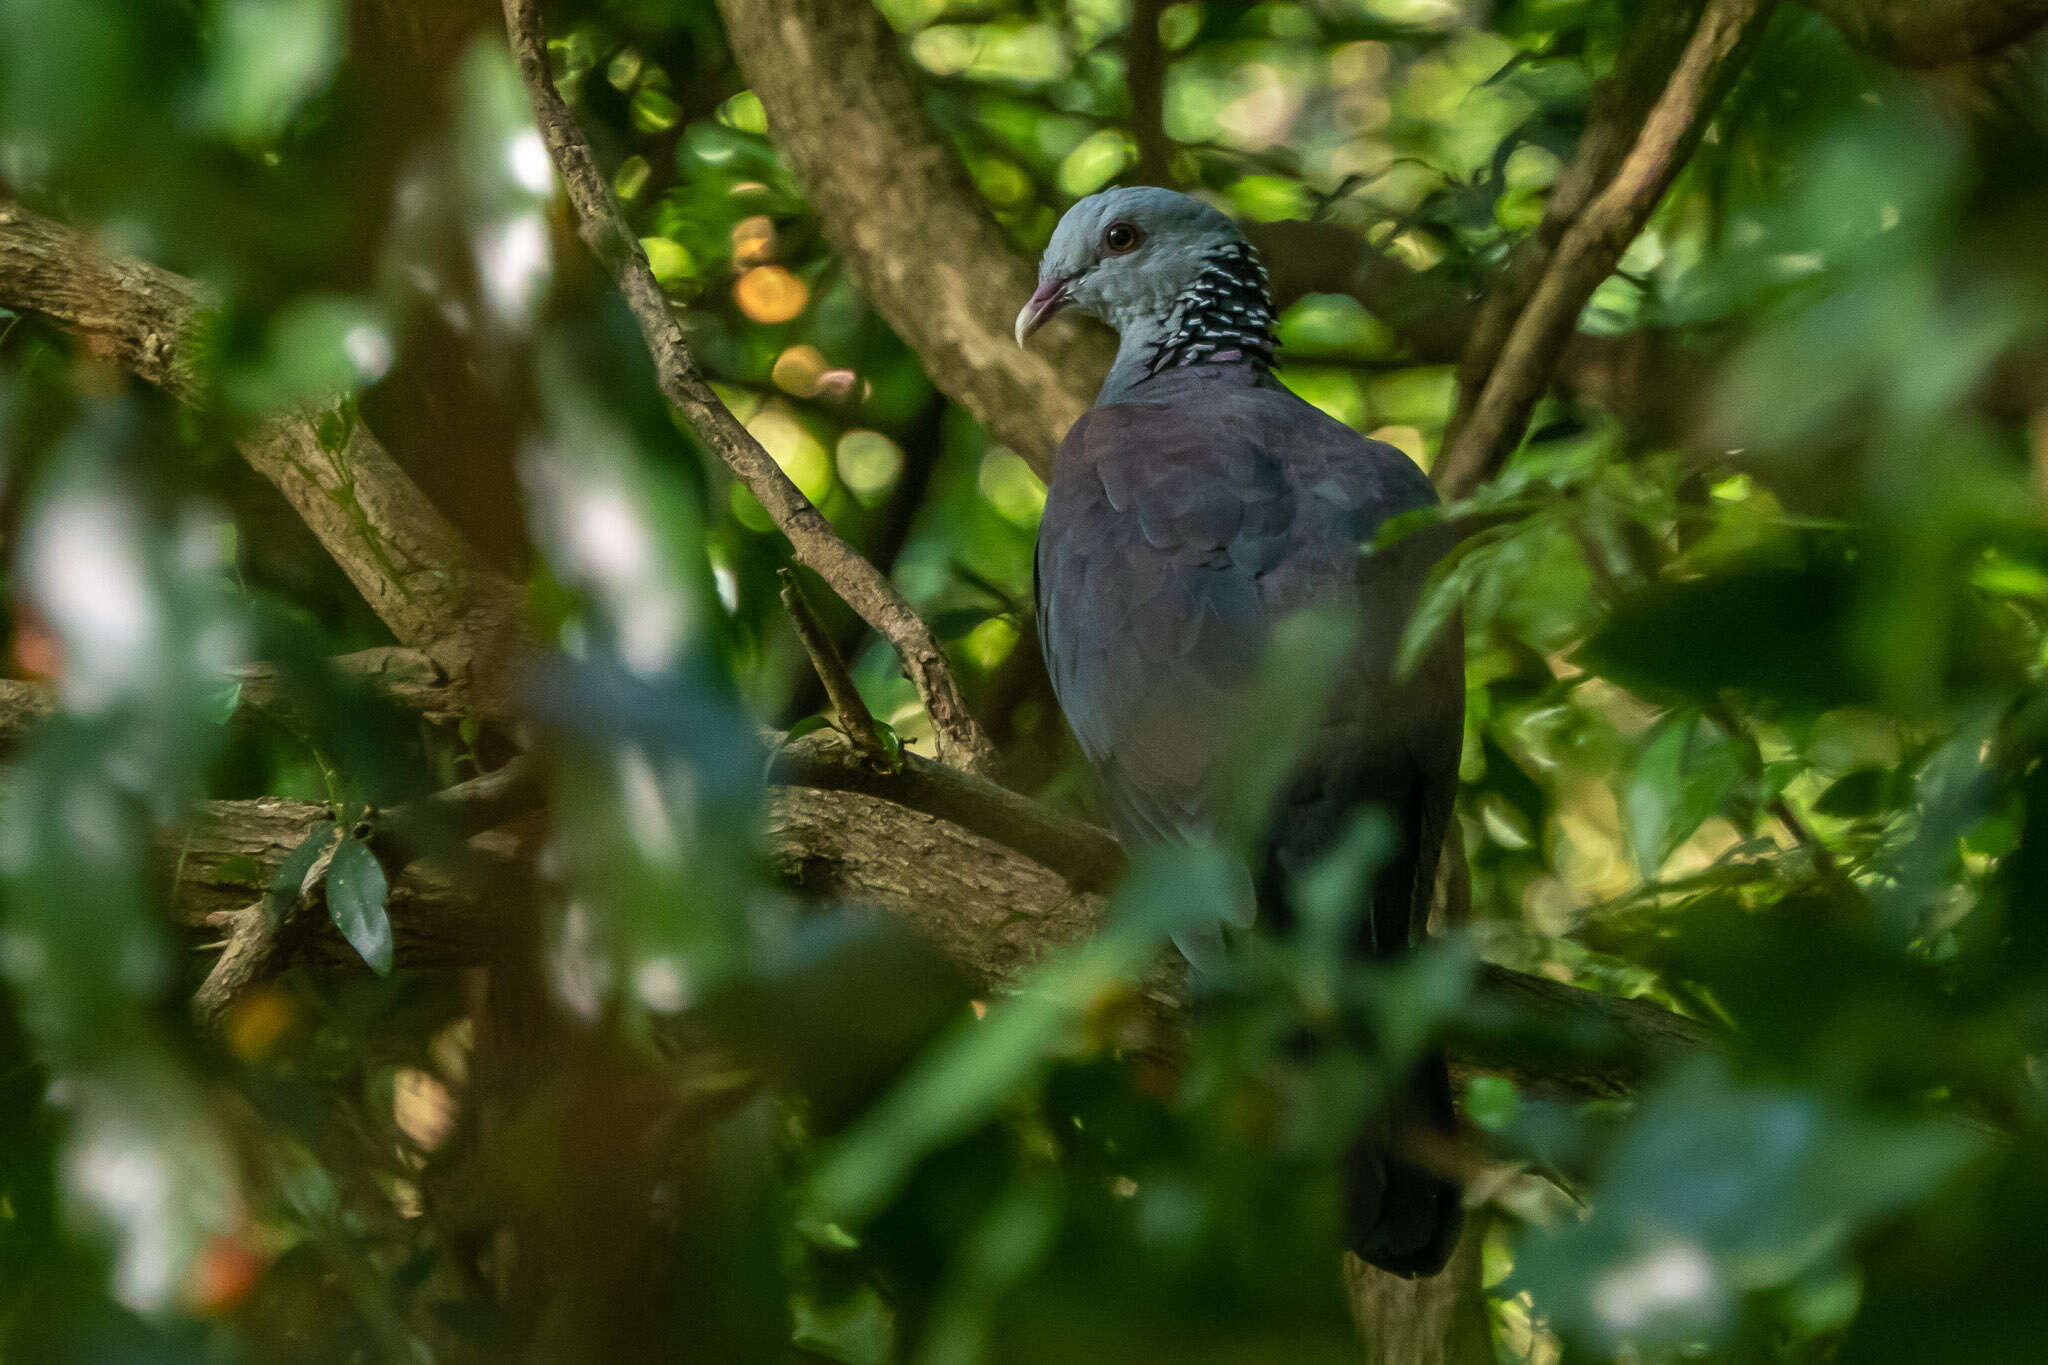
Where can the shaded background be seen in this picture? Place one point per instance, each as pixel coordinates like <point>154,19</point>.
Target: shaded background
<point>1755,638</point>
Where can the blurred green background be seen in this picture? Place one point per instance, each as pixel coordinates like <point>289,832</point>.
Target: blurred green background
<point>1756,662</point>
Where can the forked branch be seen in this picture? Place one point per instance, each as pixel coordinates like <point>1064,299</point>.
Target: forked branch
<point>602,225</point>
<point>1494,409</point>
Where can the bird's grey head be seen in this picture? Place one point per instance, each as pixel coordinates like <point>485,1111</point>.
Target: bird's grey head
<point>1174,276</point>
<point>1127,256</point>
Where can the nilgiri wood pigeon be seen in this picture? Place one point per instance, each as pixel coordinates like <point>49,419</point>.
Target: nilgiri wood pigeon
<point>1194,507</point>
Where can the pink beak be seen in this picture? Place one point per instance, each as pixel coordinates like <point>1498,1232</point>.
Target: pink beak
<point>1050,298</point>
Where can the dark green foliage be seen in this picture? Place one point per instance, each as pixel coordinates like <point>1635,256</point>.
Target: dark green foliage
<point>1757,728</point>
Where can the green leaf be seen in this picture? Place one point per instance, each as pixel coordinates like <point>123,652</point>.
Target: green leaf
<point>1761,630</point>
<point>1721,1186</point>
<point>282,895</point>
<point>856,1329</point>
<point>332,431</point>
<point>968,1075</point>
<point>808,725</point>
<point>1862,792</point>
<point>355,898</point>
<point>892,747</point>
<point>272,56</point>
<point>1687,772</point>
<point>951,625</point>
<point>1506,775</point>
<point>1492,1102</point>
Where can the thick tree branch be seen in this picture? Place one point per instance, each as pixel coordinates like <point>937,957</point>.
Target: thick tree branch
<point>1933,32</point>
<point>820,548</point>
<point>898,208</point>
<point>1085,856</point>
<point>410,564</point>
<point>1591,246</point>
<point>406,677</point>
<point>994,910</point>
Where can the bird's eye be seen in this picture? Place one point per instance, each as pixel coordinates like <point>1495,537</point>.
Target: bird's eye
<point>1121,237</point>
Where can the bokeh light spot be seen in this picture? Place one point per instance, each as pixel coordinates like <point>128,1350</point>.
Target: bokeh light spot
<point>869,462</point>
<point>669,259</point>
<point>1011,488</point>
<point>802,456</point>
<point>769,293</point>
<point>798,369</point>
<point>753,240</point>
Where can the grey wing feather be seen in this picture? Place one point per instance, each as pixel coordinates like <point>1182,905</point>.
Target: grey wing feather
<point>1178,530</point>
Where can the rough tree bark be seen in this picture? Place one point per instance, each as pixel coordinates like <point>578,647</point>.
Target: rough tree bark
<point>995,910</point>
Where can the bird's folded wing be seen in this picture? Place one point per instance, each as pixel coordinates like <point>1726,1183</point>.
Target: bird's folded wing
<point>1178,531</point>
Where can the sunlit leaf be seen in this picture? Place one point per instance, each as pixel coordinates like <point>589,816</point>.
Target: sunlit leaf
<point>356,892</point>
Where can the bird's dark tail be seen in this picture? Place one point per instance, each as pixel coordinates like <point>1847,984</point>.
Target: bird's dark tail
<point>1399,1217</point>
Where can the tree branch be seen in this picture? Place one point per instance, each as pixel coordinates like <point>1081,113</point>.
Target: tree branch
<point>1086,857</point>
<point>427,897</point>
<point>856,722</point>
<point>898,208</point>
<point>406,677</point>
<point>1145,85</point>
<point>1591,246</point>
<point>1650,50</point>
<point>1933,32</point>
<point>819,547</point>
<point>994,910</point>
<point>410,564</point>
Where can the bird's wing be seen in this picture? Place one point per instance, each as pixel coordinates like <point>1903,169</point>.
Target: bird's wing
<point>1178,530</point>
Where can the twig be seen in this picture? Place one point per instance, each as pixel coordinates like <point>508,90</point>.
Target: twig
<point>603,229</point>
<point>1593,244</point>
<point>855,720</point>
<point>922,442</point>
<point>1802,833</point>
<point>1722,712</point>
<point>439,822</point>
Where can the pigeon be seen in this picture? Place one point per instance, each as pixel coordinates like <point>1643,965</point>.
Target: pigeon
<point>1195,507</point>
